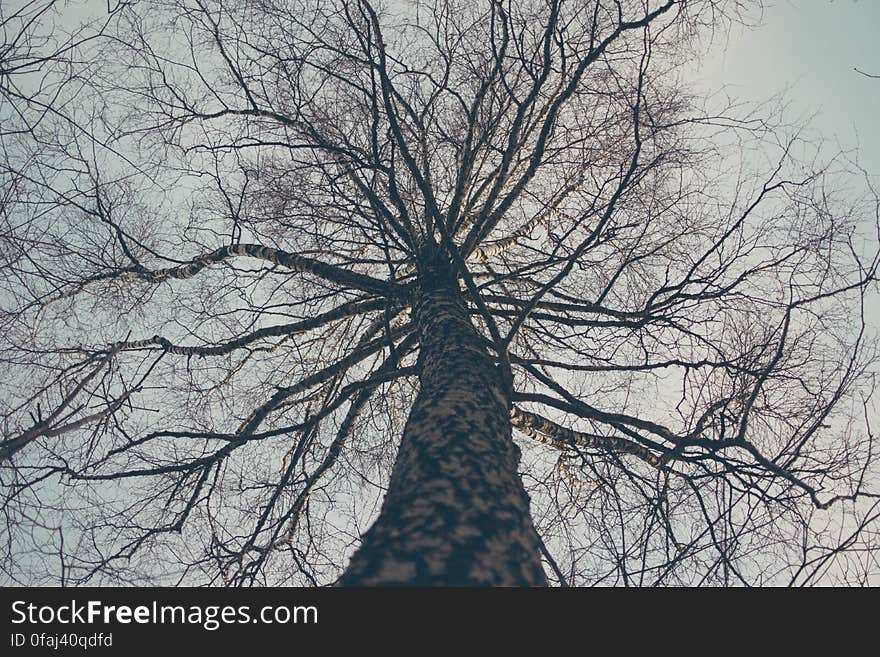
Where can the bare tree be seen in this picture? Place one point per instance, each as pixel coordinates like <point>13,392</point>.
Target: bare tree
<point>483,277</point>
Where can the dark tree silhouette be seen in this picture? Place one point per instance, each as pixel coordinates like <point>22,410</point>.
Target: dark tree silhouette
<point>426,293</point>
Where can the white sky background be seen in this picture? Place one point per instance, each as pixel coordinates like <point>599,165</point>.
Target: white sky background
<point>804,48</point>
<point>806,51</point>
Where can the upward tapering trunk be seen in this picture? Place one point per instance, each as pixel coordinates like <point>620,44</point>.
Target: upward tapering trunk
<point>455,512</point>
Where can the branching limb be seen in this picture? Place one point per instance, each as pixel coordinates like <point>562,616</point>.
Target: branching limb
<point>548,432</point>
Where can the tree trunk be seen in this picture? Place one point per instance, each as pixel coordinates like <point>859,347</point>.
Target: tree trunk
<point>456,512</point>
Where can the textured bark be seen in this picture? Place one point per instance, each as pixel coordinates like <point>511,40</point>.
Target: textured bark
<point>548,432</point>
<point>456,512</point>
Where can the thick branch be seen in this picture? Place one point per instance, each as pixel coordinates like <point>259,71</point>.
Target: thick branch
<point>545,431</point>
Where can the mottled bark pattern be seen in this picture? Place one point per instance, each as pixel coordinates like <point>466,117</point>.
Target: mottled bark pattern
<point>548,432</point>
<point>455,512</point>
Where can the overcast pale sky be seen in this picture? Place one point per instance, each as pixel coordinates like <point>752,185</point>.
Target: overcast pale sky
<point>810,48</point>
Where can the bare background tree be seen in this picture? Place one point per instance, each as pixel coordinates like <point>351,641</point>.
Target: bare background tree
<point>484,279</point>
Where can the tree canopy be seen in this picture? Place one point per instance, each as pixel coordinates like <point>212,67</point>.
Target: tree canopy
<point>218,218</point>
